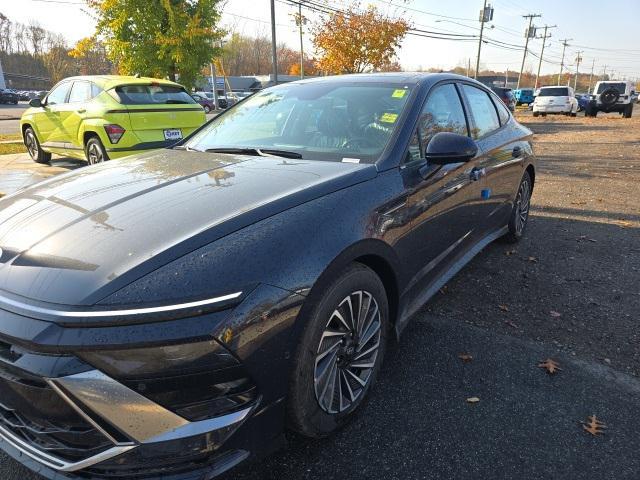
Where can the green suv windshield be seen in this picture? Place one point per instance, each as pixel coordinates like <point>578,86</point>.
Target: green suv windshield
<point>318,121</point>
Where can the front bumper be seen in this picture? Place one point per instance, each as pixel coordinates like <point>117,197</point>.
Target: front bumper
<point>65,414</point>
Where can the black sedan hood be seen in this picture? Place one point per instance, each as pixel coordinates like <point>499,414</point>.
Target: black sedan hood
<point>78,237</point>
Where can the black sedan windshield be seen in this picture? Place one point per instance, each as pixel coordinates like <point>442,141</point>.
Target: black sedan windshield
<point>316,121</point>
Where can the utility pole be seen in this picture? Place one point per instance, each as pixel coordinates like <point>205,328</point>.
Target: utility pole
<point>593,64</point>
<point>506,77</point>
<point>529,34</point>
<point>486,15</point>
<point>274,50</point>
<point>604,71</point>
<point>300,22</point>
<point>578,60</point>
<point>564,47</point>
<point>544,41</point>
<point>213,85</point>
<point>468,66</point>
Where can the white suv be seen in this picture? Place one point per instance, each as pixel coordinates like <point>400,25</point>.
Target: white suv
<point>555,100</point>
<point>612,96</point>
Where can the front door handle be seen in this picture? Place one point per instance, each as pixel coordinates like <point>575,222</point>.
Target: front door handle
<point>81,110</point>
<point>477,173</point>
<point>517,151</point>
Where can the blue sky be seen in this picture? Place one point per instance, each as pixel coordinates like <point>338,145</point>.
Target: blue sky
<point>606,31</point>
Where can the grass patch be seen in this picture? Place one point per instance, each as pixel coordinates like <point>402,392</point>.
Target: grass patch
<point>6,148</point>
<point>11,136</point>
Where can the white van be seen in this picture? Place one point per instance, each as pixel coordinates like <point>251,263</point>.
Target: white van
<point>555,100</point>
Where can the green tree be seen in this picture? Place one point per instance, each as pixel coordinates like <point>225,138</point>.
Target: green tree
<point>162,38</point>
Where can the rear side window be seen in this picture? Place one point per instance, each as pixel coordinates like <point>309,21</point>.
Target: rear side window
<point>554,92</point>
<point>483,111</point>
<point>151,95</point>
<point>95,90</point>
<point>58,94</point>
<point>80,92</point>
<point>503,112</point>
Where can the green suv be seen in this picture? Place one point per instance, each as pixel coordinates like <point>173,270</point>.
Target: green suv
<point>101,117</point>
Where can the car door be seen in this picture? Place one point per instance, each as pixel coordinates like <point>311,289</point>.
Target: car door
<point>73,112</point>
<point>501,155</point>
<point>442,200</point>
<point>48,120</point>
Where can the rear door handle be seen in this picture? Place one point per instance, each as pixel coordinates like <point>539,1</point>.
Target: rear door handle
<point>517,151</point>
<point>81,110</point>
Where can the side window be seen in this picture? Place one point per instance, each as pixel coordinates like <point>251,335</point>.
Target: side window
<point>95,90</point>
<point>80,92</point>
<point>441,113</point>
<point>483,111</point>
<point>58,94</point>
<point>503,112</point>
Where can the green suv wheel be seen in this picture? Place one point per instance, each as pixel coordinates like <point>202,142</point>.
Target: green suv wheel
<point>33,147</point>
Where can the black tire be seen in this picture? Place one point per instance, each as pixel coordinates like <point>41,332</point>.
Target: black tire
<point>94,151</point>
<point>544,114</point>
<point>535,114</point>
<point>520,212</point>
<point>628,111</point>
<point>305,413</point>
<point>207,109</point>
<point>33,147</point>
<point>574,114</point>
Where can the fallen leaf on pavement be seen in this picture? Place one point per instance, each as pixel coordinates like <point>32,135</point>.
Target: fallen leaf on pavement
<point>593,426</point>
<point>473,400</point>
<point>533,259</point>
<point>555,314</point>
<point>510,252</point>
<point>465,357</point>
<point>551,366</point>
<point>622,223</point>
<point>511,324</point>
<point>504,308</point>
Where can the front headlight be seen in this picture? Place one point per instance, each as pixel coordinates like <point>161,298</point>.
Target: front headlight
<point>195,380</point>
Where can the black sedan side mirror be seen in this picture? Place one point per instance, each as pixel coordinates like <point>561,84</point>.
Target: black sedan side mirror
<point>447,147</point>
<point>35,103</point>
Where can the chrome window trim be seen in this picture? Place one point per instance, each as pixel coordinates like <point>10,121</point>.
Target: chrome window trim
<point>118,313</point>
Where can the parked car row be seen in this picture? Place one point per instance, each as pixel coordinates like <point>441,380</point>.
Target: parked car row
<point>172,314</point>
<point>608,96</point>
<point>12,96</point>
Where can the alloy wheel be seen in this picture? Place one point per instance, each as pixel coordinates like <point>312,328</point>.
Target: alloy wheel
<point>522,206</point>
<point>95,154</point>
<point>32,144</point>
<point>347,352</point>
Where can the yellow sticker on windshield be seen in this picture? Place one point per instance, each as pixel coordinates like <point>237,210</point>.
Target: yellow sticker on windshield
<point>389,117</point>
<point>399,93</point>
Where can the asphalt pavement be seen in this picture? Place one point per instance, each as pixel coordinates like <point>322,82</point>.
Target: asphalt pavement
<point>569,292</point>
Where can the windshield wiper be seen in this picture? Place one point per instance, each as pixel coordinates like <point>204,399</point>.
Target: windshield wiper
<point>261,152</point>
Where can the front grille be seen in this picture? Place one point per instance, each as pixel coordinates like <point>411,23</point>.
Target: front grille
<point>35,413</point>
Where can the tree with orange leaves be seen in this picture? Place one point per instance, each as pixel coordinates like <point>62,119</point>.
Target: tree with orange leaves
<point>357,40</point>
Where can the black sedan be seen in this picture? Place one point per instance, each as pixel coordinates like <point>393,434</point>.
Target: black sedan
<point>9,96</point>
<point>169,314</point>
